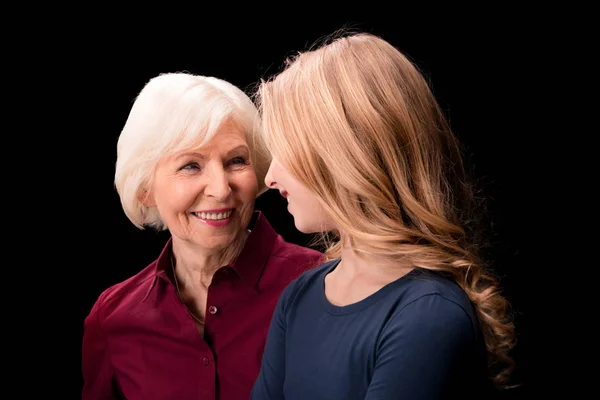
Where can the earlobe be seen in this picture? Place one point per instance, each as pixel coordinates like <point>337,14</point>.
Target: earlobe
<point>145,197</point>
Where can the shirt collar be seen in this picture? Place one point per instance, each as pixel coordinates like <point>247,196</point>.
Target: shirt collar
<point>161,268</point>
<point>255,254</point>
<point>248,265</point>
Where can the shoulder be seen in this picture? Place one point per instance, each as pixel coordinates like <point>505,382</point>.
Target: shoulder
<point>431,300</point>
<point>295,256</point>
<point>285,258</point>
<point>128,292</point>
<point>421,283</point>
<point>306,281</point>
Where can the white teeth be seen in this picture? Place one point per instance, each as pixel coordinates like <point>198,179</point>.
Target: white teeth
<point>214,216</point>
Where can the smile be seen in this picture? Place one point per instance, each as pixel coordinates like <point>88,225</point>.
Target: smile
<point>215,218</point>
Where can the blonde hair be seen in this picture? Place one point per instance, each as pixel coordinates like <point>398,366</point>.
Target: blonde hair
<point>357,123</point>
<point>173,112</point>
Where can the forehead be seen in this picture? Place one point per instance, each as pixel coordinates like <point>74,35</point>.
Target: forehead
<point>229,134</point>
<point>228,137</point>
<point>230,129</point>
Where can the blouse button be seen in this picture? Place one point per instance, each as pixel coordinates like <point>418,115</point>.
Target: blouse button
<point>205,361</point>
<point>212,309</point>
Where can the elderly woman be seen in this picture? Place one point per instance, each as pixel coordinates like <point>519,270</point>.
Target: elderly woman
<point>193,323</point>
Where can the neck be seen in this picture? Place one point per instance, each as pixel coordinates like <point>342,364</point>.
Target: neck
<point>355,278</point>
<point>196,266</point>
<point>369,267</point>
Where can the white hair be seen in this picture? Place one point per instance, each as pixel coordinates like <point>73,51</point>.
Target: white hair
<point>174,112</point>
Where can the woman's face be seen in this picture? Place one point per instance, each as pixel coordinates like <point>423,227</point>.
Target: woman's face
<point>206,195</point>
<point>309,215</point>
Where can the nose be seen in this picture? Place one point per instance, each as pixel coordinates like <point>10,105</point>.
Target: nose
<point>218,186</point>
<point>269,181</point>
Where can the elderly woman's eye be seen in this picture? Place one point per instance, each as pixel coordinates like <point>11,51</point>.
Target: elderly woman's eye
<point>192,165</point>
<point>238,161</point>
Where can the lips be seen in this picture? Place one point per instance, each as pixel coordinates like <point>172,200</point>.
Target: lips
<point>214,215</point>
<point>215,218</point>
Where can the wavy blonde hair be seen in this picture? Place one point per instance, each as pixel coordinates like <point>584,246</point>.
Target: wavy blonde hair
<point>356,122</point>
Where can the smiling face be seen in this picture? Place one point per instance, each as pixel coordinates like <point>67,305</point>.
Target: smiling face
<point>309,215</point>
<point>206,195</point>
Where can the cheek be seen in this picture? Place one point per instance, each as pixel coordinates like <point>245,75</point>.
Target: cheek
<point>175,193</point>
<point>279,174</point>
<point>247,185</point>
<point>178,195</point>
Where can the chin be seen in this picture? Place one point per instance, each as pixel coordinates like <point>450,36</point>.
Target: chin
<point>216,242</point>
<point>305,229</point>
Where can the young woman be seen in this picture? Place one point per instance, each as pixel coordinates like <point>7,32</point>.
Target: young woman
<point>404,308</point>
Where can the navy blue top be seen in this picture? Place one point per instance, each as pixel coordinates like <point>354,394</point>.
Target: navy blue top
<point>415,338</point>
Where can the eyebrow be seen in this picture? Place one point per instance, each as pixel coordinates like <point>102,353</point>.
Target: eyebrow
<point>236,149</point>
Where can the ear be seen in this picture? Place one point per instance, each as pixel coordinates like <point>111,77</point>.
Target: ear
<point>145,197</point>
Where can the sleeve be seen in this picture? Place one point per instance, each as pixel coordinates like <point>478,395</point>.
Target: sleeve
<point>419,348</point>
<point>96,365</point>
<point>269,384</point>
